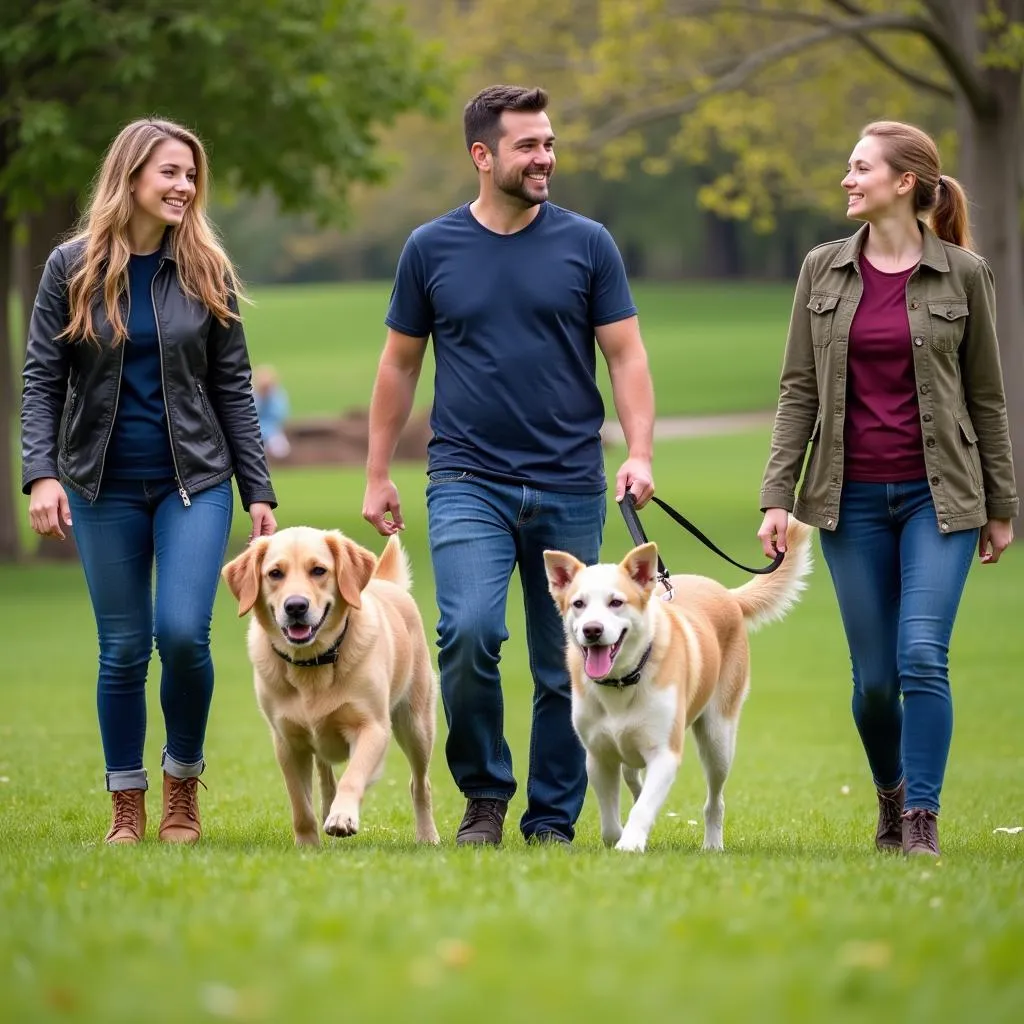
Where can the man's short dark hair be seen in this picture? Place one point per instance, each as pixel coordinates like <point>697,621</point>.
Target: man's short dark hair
<point>482,116</point>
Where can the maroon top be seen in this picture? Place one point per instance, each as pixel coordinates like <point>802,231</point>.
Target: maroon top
<point>882,437</point>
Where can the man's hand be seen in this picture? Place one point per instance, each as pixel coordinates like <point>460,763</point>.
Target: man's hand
<point>380,499</point>
<point>635,475</point>
<point>996,536</point>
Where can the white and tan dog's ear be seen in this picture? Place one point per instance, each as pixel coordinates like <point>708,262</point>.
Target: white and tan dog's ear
<point>242,574</point>
<point>353,567</point>
<point>561,568</point>
<point>641,566</point>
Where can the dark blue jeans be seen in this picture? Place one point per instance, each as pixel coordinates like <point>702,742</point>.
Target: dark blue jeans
<point>899,581</point>
<point>480,530</point>
<point>132,526</point>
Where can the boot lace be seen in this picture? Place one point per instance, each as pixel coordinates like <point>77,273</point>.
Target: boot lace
<point>892,807</point>
<point>125,812</point>
<point>483,810</point>
<point>181,799</point>
<point>921,829</point>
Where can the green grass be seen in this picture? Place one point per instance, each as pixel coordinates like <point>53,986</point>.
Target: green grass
<point>799,921</point>
<point>712,348</point>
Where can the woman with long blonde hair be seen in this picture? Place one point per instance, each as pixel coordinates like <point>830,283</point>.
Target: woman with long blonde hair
<point>137,410</point>
<point>892,375</point>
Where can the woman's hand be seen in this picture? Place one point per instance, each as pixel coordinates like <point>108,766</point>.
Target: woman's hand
<point>263,521</point>
<point>996,536</point>
<point>48,508</point>
<point>773,531</point>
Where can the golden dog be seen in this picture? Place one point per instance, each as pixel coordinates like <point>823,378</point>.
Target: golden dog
<point>340,661</point>
<point>644,669</point>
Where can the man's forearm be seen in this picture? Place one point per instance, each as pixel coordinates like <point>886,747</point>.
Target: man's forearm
<point>633,394</point>
<point>390,406</point>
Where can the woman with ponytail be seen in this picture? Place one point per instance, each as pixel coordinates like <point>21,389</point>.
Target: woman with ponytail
<point>137,410</point>
<point>892,376</point>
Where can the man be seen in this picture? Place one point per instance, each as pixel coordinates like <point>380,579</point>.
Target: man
<point>514,291</point>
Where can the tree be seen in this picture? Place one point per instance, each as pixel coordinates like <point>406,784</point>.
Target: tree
<point>288,94</point>
<point>782,88</point>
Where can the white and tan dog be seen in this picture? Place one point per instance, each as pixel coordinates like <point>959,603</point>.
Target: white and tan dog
<point>340,661</point>
<point>644,669</point>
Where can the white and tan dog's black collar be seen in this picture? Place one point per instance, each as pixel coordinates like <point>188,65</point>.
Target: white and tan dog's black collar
<point>328,657</point>
<point>630,679</point>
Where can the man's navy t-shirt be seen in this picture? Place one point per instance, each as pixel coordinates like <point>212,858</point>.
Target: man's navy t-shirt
<point>513,318</point>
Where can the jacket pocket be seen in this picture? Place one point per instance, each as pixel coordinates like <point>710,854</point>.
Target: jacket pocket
<point>822,308</point>
<point>970,446</point>
<point>208,415</point>
<point>72,402</point>
<point>948,318</point>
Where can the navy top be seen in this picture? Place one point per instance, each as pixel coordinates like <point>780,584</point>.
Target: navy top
<point>512,319</point>
<point>140,446</point>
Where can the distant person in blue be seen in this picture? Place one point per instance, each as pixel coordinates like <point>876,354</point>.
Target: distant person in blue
<point>272,410</point>
<point>514,291</point>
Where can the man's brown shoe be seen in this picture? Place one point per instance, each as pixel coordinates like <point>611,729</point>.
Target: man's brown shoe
<point>920,833</point>
<point>129,822</point>
<point>889,834</point>
<point>180,823</point>
<point>482,823</point>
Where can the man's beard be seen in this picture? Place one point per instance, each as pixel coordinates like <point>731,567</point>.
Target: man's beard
<point>514,185</point>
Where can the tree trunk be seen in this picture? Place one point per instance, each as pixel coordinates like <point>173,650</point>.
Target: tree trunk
<point>992,169</point>
<point>45,230</point>
<point>9,546</point>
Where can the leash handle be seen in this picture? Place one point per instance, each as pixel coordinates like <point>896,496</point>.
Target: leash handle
<point>636,531</point>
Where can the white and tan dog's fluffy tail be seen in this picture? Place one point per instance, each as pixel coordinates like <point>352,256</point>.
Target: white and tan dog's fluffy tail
<point>770,596</point>
<point>393,564</point>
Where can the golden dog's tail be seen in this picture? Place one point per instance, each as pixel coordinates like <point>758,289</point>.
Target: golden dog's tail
<point>393,564</point>
<point>770,596</point>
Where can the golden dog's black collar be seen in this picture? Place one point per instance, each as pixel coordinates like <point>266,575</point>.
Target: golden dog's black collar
<point>632,678</point>
<point>328,657</point>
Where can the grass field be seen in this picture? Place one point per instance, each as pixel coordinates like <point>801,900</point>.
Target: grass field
<point>713,348</point>
<point>799,921</point>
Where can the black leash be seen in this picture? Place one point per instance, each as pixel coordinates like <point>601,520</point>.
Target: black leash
<point>636,531</point>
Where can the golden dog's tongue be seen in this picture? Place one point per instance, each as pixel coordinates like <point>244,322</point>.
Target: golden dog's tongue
<point>597,661</point>
<point>299,632</point>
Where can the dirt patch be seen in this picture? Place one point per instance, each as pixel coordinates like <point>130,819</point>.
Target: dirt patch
<point>343,440</point>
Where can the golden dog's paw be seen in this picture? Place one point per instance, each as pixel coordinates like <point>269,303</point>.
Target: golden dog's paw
<point>341,823</point>
<point>429,836</point>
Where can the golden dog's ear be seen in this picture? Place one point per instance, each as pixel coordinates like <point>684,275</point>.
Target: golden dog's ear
<point>641,566</point>
<point>353,567</point>
<point>242,574</point>
<point>561,568</point>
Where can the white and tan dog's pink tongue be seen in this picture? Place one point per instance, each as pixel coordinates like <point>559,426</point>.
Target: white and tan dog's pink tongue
<point>597,661</point>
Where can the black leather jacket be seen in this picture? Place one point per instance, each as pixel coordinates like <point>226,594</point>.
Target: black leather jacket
<point>71,391</point>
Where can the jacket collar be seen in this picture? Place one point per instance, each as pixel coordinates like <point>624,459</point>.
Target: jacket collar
<point>932,254</point>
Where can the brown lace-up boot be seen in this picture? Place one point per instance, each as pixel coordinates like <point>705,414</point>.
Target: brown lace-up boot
<point>129,821</point>
<point>180,821</point>
<point>889,834</point>
<point>920,833</point>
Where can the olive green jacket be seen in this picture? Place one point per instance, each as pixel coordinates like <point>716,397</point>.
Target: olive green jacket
<point>962,406</point>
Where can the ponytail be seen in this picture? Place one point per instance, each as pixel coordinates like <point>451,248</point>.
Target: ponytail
<point>949,215</point>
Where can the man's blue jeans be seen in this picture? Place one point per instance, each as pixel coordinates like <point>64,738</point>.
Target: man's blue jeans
<point>899,580</point>
<point>133,525</point>
<point>480,530</point>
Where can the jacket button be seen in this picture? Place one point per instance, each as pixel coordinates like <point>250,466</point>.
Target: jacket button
<point>828,522</point>
<point>945,526</point>
<point>930,442</point>
<point>935,480</point>
<point>927,417</point>
<point>818,305</point>
<point>925,389</point>
<point>919,342</point>
<point>915,304</point>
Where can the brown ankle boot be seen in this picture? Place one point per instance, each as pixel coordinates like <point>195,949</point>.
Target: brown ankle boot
<point>129,822</point>
<point>920,833</point>
<point>180,822</point>
<point>889,834</point>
